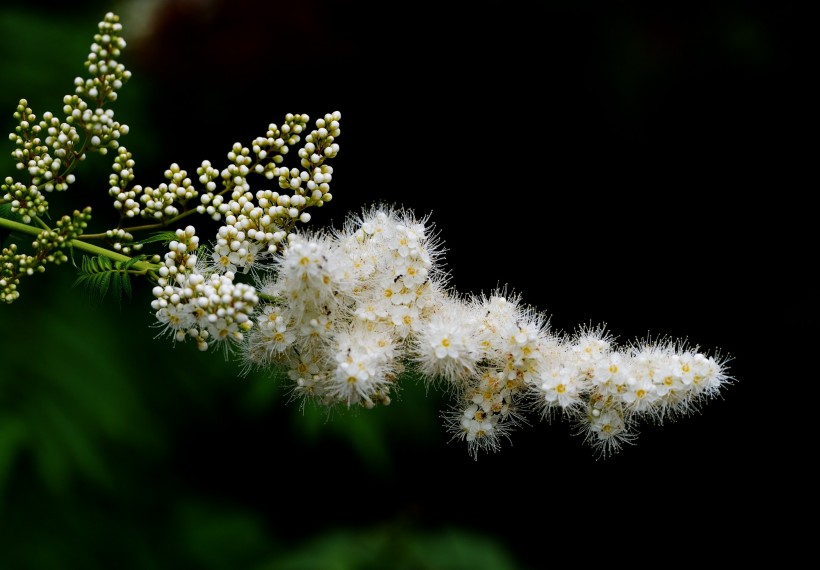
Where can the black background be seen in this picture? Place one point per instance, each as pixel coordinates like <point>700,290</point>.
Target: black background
<point>625,164</point>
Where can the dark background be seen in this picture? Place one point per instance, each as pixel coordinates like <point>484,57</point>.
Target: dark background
<point>616,163</point>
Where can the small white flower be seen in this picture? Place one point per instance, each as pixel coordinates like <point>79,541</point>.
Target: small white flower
<point>446,343</point>
<point>560,385</point>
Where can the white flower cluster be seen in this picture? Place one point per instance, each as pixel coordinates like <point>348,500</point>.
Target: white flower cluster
<point>347,305</point>
<point>354,310</point>
<point>605,391</point>
<point>191,302</point>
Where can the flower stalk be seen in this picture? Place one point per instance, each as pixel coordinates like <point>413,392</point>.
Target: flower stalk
<point>78,244</point>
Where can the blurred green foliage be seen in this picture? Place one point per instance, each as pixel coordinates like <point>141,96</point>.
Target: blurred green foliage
<point>95,414</point>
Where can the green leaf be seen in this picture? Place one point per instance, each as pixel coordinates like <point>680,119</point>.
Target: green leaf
<point>99,275</point>
<point>104,280</point>
<point>165,237</point>
<point>116,287</point>
<point>126,286</point>
<point>7,213</point>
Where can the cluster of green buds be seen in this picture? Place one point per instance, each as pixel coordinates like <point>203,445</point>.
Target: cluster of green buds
<point>256,222</point>
<point>49,149</point>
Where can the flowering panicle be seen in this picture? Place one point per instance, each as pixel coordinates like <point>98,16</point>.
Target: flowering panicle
<point>345,314</point>
<point>353,310</point>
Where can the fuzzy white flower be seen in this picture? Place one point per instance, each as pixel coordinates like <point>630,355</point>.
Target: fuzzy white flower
<point>224,259</point>
<point>606,430</point>
<point>480,430</point>
<point>447,344</point>
<point>364,365</point>
<point>477,425</point>
<point>561,386</point>
<point>639,393</point>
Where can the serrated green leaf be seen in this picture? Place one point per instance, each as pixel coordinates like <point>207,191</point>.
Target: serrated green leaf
<point>166,237</point>
<point>90,265</point>
<point>126,285</point>
<point>7,213</point>
<point>131,262</point>
<point>102,275</point>
<point>116,286</point>
<point>104,280</point>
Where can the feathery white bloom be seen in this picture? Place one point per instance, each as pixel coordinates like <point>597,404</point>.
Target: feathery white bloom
<point>491,394</point>
<point>639,393</point>
<point>364,365</point>
<point>477,425</point>
<point>310,275</point>
<point>480,430</point>
<point>308,371</point>
<point>682,377</point>
<point>353,307</point>
<point>176,318</point>
<point>609,371</point>
<point>561,385</point>
<point>446,344</point>
<point>606,430</point>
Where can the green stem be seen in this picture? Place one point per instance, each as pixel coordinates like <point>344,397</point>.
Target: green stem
<point>157,226</point>
<point>78,244</point>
